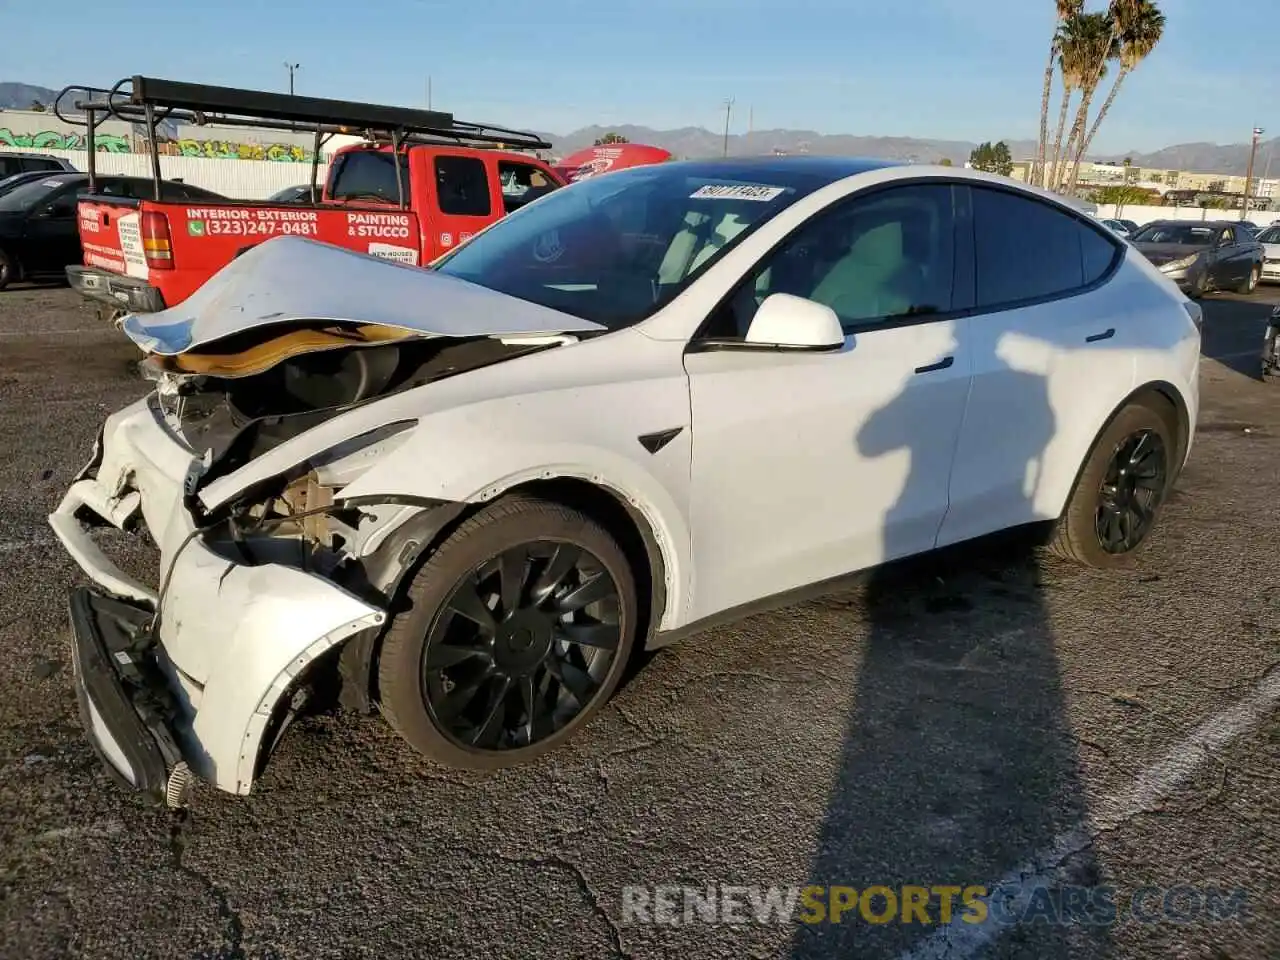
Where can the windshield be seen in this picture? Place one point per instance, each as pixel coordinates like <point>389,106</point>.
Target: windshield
<point>1187,234</point>
<point>1269,235</point>
<point>28,195</point>
<point>613,249</point>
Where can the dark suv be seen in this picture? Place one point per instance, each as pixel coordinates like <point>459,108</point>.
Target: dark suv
<point>11,163</point>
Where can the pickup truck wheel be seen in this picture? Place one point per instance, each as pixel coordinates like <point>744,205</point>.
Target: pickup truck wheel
<point>8,270</point>
<point>513,634</point>
<point>1118,494</point>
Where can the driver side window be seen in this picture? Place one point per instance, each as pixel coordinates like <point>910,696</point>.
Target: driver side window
<point>871,259</point>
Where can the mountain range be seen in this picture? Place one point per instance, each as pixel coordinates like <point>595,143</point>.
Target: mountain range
<point>696,142</point>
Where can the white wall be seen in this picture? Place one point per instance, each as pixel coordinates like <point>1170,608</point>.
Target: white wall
<point>1143,214</point>
<point>240,179</point>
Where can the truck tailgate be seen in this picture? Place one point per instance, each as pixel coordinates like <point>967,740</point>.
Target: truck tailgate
<point>111,235</point>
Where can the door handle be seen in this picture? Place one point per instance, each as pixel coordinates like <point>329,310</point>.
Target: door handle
<point>1104,335</point>
<point>940,365</point>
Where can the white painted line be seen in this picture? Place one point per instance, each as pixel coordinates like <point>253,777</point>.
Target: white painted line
<point>959,940</point>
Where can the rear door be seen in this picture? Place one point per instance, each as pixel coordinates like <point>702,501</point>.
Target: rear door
<point>462,202</point>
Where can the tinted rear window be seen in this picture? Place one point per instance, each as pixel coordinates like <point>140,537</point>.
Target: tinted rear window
<point>368,175</point>
<point>1028,250</point>
<point>462,186</point>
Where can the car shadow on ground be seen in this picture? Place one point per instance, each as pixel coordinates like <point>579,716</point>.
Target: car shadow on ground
<point>1233,331</point>
<point>958,765</point>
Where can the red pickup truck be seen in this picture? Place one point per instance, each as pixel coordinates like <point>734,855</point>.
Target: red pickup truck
<point>421,184</point>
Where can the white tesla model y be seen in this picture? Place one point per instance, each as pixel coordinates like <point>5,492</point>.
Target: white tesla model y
<point>641,404</point>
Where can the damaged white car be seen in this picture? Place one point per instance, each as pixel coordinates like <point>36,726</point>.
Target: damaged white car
<point>632,409</point>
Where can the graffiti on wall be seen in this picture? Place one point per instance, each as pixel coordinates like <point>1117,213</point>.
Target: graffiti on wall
<point>228,150</point>
<point>57,140</point>
<point>114,143</point>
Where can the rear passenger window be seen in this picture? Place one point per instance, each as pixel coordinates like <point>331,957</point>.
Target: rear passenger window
<point>1027,250</point>
<point>368,175</point>
<point>462,186</point>
<point>39,163</point>
<point>1098,253</point>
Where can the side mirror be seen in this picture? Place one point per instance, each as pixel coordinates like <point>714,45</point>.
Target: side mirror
<point>788,321</point>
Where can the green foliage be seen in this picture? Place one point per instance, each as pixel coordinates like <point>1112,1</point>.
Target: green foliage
<point>945,162</point>
<point>37,107</point>
<point>611,137</point>
<point>1127,196</point>
<point>992,158</point>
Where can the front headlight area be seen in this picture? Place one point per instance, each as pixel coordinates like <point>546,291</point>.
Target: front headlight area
<point>1181,263</point>
<point>301,519</point>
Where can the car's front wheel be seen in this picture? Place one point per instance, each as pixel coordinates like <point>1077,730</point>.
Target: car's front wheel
<point>1121,488</point>
<point>8,270</point>
<point>513,634</point>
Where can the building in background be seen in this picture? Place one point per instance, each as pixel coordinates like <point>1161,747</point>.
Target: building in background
<point>1177,187</point>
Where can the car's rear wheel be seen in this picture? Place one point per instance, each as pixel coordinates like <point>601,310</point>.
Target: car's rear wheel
<point>1121,488</point>
<point>1250,283</point>
<point>8,270</point>
<point>513,634</point>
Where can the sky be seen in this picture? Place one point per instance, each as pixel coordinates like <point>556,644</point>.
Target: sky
<point>946,69</point>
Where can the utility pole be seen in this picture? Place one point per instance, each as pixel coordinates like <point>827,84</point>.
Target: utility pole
<point>728,113</point>
<point>428,93</point>
<point>1248,175</point>
<point>291,67</point>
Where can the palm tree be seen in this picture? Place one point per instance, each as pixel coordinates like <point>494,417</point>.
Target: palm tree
<point>1066,10</point>
<point>1141,26</point>
<point>1095,43</point>
<point>1070,43</point>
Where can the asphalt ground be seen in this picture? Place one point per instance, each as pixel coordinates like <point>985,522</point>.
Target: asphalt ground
<point>990,717</point>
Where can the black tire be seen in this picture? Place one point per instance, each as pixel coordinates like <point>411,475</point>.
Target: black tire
<point>1200,287</point>
<point>8,270</point>
<point>426,706</point>
<point>1080,530</point>
<point>1250,283</point>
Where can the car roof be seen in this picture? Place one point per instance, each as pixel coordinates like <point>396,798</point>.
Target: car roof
<point>814,170</point>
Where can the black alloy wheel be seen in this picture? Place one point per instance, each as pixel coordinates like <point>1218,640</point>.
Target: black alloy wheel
<point>510,636</point>
<point>1132,488</point>
<point>522,646</point>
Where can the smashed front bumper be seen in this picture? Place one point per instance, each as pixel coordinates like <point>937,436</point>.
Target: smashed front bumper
<point>125,704</point>
<point>230,640</point>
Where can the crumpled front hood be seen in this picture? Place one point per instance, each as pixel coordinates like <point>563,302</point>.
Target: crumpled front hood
<point>292,279</point>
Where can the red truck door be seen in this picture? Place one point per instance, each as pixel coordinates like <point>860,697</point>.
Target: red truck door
<point>463,200</point>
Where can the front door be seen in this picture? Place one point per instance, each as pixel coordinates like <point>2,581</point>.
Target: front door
<point>807,466</point>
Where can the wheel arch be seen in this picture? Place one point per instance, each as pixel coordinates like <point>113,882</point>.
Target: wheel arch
<point>652,565</point>
<point>1162,393</point>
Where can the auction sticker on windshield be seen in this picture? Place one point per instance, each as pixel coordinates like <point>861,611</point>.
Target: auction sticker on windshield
<point>743,191</point>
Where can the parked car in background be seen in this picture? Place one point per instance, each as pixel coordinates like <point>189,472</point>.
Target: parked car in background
<point>1125,228</point>
<point>11,163</point>
<point>1200,256</point>
<point>39,231</point>
<point>1270,240</point>
<point>18,179</point>
<point>413,489</point>
<point>298,194</point>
